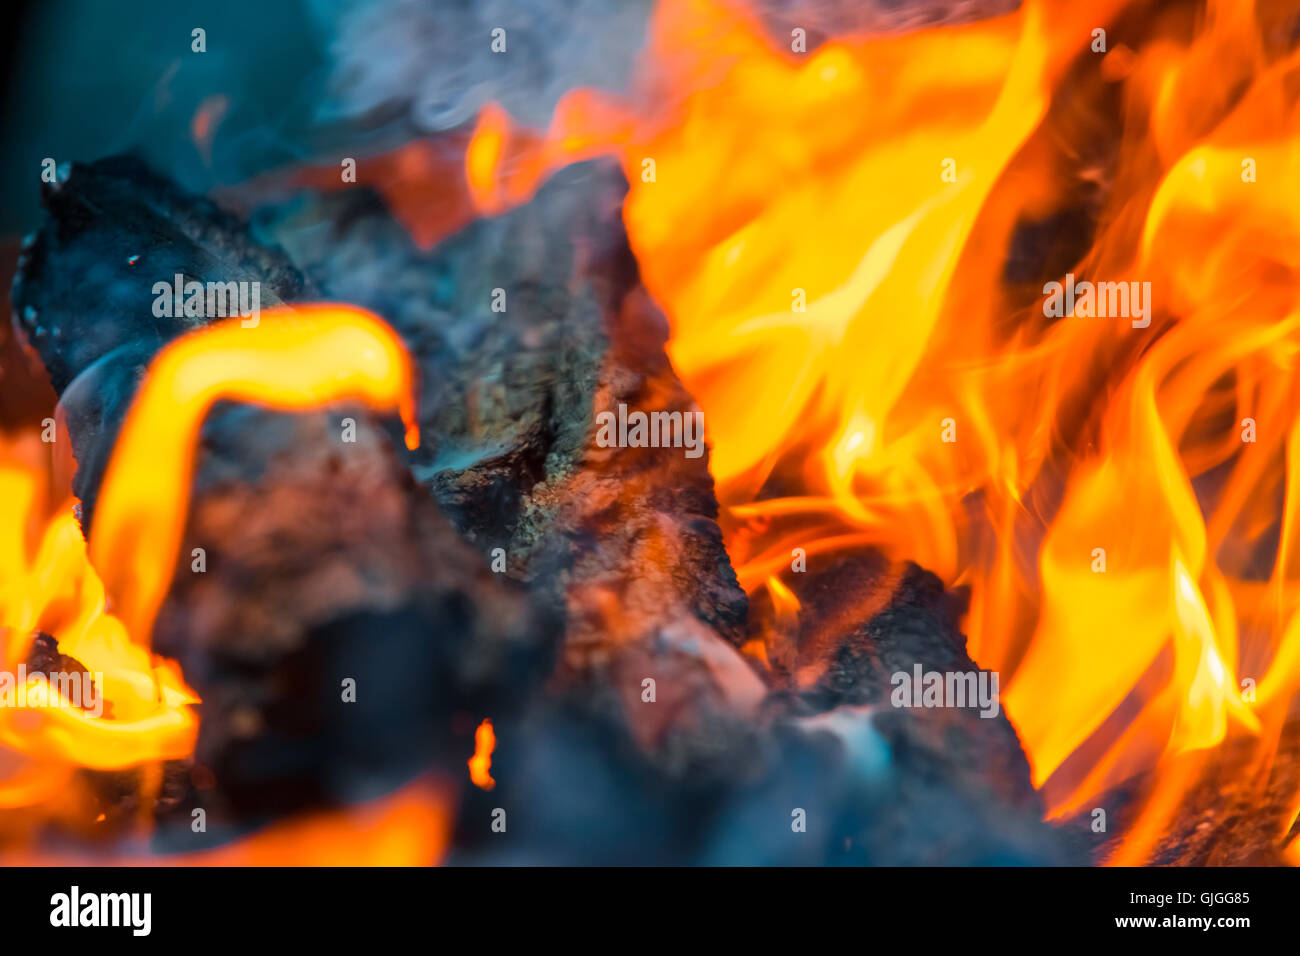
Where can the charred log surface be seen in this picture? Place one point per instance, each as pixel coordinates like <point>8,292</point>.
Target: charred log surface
<point>1239,812</point>
<point>322,560</point>
<point>825,770</point>
<point>658,741</point>
<point>625,539</point>
<point>904,620</point>
<point>44,658</point>
<point>345,573</point>
<point>114,228</point>
<point>878,783</point>
<point>507,376</point>
<point>832,788</point>
<point>83,294</point>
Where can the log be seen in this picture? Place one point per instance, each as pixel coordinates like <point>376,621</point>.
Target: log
<point>1235,813</point>
<point>343,562</point>
<point>871,784</point>
<point>324,559</point>
<point>626,540</point>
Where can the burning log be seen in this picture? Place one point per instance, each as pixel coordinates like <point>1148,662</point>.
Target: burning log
<point>343,566</point>
<point>625,540</point>
<point>529,328</point>
<point>114,231</point>
<point>524,340</point>
<point>1239,809</point>
<point>837,715</point>
<point>363,624</point>
<point>871,634</point>
<point>44,658</point>
<point>653,714</point>
<point>827,769</point>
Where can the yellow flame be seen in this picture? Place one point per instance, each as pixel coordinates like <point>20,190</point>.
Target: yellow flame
<point>294,358</point>
<point>55,589</point>
<point>828,234</point>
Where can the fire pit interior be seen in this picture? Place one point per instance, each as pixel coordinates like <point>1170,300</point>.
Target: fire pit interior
<point>731,432</point>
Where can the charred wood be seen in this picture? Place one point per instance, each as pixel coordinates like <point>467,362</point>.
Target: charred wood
<point>324,561</point>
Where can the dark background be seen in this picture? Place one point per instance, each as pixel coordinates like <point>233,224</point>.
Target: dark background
<point>86,79</point>
<point>302,79</point>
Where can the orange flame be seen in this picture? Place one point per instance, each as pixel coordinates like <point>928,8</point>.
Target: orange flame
<point>829,232</point>
<point>410,827</point>
<point>143,709</point>
<point>485,741</point>
<point>291,359</point>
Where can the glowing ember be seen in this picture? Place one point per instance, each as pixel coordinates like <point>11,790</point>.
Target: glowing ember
<point>485,742</point>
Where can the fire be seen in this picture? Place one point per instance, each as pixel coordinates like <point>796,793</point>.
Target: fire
<point>410,827</point>
<point>480,765</point>
<point>47,584</point>
<point>291,359</point>
<point>829,235</point>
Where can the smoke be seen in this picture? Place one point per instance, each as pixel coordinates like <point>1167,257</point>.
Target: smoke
<point>433,62</point>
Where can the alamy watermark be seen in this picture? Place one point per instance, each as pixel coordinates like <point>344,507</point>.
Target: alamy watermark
<point>78,688</point>
<point>133,911</point>
<point>638,429</point>
<point>946,689</point>
<point>211,300</point>
<point>1099,300</point>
